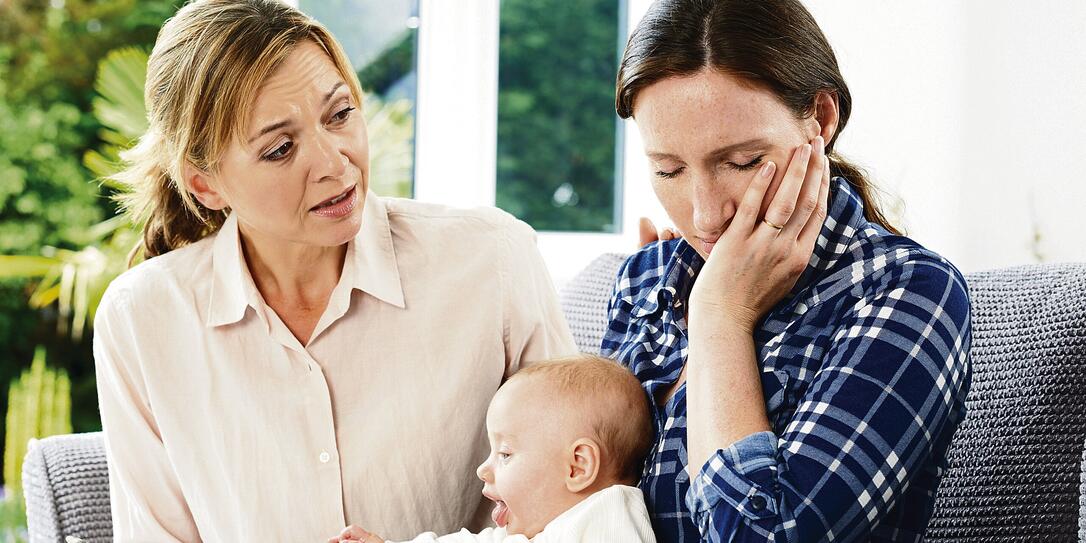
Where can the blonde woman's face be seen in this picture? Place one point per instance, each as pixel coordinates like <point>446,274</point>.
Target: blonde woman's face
<point>301,170</point>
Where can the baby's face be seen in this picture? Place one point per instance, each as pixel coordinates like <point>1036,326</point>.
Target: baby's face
<point>525,474</point>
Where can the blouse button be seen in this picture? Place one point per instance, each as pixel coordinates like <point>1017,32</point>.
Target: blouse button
<point>325,457</point>
<point>757,503</point>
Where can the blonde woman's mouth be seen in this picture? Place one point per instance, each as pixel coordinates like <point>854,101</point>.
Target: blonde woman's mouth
<point>337,206</point>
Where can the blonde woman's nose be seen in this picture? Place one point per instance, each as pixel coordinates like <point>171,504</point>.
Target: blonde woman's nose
<point>329,161</point>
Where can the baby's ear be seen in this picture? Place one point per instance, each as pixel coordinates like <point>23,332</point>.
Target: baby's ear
<point>584,465</point>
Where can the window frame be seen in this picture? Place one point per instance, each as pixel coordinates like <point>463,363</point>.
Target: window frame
<point>456,129</point>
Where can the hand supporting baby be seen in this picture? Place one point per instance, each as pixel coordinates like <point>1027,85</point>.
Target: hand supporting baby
<point>354,534</point>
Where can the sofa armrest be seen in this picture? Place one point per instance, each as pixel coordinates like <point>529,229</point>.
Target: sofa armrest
<point>66,484</point>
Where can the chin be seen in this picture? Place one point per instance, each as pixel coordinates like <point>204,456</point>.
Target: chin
<point>341,230</point>
<point>345,231</point>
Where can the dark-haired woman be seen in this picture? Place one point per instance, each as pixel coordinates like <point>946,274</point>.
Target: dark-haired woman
<point>808,363</point>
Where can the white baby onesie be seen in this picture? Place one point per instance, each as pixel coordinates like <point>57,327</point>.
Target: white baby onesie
<point>616,513</point>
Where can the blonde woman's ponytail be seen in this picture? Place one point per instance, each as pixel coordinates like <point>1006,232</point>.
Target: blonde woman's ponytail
<point>171,218</point>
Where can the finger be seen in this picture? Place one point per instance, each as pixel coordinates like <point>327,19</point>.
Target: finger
<point>746,217</point>
<point>353,532</point>
<point>646,232</point>
<point>809,235</point>
<point>668,234</point>
<point>807,202</point>
<point>782,207</point>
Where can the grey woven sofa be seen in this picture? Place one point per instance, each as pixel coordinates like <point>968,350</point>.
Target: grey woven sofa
<point>1018,463</point>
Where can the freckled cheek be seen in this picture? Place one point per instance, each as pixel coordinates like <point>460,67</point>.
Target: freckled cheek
<point>677,202</point>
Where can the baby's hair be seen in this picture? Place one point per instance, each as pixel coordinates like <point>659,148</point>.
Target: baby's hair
<point>619,409</point>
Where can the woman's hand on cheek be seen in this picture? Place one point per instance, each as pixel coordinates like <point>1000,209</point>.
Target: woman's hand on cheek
<point>758,260</point>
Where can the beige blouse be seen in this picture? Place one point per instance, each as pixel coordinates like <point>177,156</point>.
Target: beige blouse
<point>221,426</point>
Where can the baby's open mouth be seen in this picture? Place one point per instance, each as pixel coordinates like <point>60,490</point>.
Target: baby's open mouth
<point>500,513</point>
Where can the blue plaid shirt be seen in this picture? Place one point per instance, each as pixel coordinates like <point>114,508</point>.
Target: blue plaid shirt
<point>864,368</point>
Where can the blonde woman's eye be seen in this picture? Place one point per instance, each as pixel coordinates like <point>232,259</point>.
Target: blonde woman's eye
<point>504,456</point>
<point>343,114</point>
<point>280,152</point>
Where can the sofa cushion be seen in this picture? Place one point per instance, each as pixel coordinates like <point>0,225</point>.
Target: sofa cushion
<point>1015,460</point>
<point>584,301</point>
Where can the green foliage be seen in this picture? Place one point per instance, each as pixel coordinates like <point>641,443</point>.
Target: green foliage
<point>390,66</point>
<point>391,127</point>
<point>45,198</point>
<point>13,519</point>
<point>556,120</point>
<point>119,107</point>
<point>48,59</point>
<point>75,280</point>
<point>51,208</point>
<point>39,406</point>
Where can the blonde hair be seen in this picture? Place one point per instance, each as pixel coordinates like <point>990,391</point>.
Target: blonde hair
<point>608,393</point>
<point>207,67</point>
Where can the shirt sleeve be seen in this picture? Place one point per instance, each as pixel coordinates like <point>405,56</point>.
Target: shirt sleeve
<point>145,495</point>
<point>892,378</point>
<point>535,327</point>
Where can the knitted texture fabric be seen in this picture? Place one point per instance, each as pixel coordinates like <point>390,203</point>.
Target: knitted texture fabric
<point>66,484</point>
<point>584,301</point>
<point>1015,461</point>
<point>1082,499</point>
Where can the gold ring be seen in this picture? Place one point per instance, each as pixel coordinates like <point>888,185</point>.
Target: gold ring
<point>773,225</point>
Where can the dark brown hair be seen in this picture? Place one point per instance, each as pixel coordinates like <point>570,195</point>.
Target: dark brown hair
<point>772,44</point>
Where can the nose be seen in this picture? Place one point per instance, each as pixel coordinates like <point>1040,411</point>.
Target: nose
<point>329,160</point>
<point>712,204</point>
<point>483,471</point>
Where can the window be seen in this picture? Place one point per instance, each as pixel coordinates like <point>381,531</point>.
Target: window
<point>565,164</point>
<point>380,37</point>
<point>557,135</point>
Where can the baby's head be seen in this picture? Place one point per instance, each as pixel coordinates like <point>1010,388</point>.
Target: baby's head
<point>559,431</point>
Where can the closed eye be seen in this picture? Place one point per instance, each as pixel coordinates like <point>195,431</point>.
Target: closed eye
<point>671,174</point>
<point>748,166</point>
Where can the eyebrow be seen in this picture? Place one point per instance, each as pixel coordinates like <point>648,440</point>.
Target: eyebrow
<point>722,151</point>
<point>276,126</point>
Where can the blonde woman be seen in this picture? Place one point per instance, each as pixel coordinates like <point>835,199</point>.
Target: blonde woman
<point>295,349</point>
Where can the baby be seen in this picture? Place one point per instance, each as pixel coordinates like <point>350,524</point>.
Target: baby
<point>567,438</point>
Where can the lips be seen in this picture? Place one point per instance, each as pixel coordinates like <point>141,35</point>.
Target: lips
<point>707,245</point>
<point>500,514</point>
<point>338,205</point>
<point>334,200</point>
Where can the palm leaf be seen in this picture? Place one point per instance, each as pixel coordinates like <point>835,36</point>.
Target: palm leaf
<point>119,105</point>
<point>23,267</point>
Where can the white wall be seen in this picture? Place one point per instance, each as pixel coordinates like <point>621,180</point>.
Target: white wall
<point>974,114</point>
